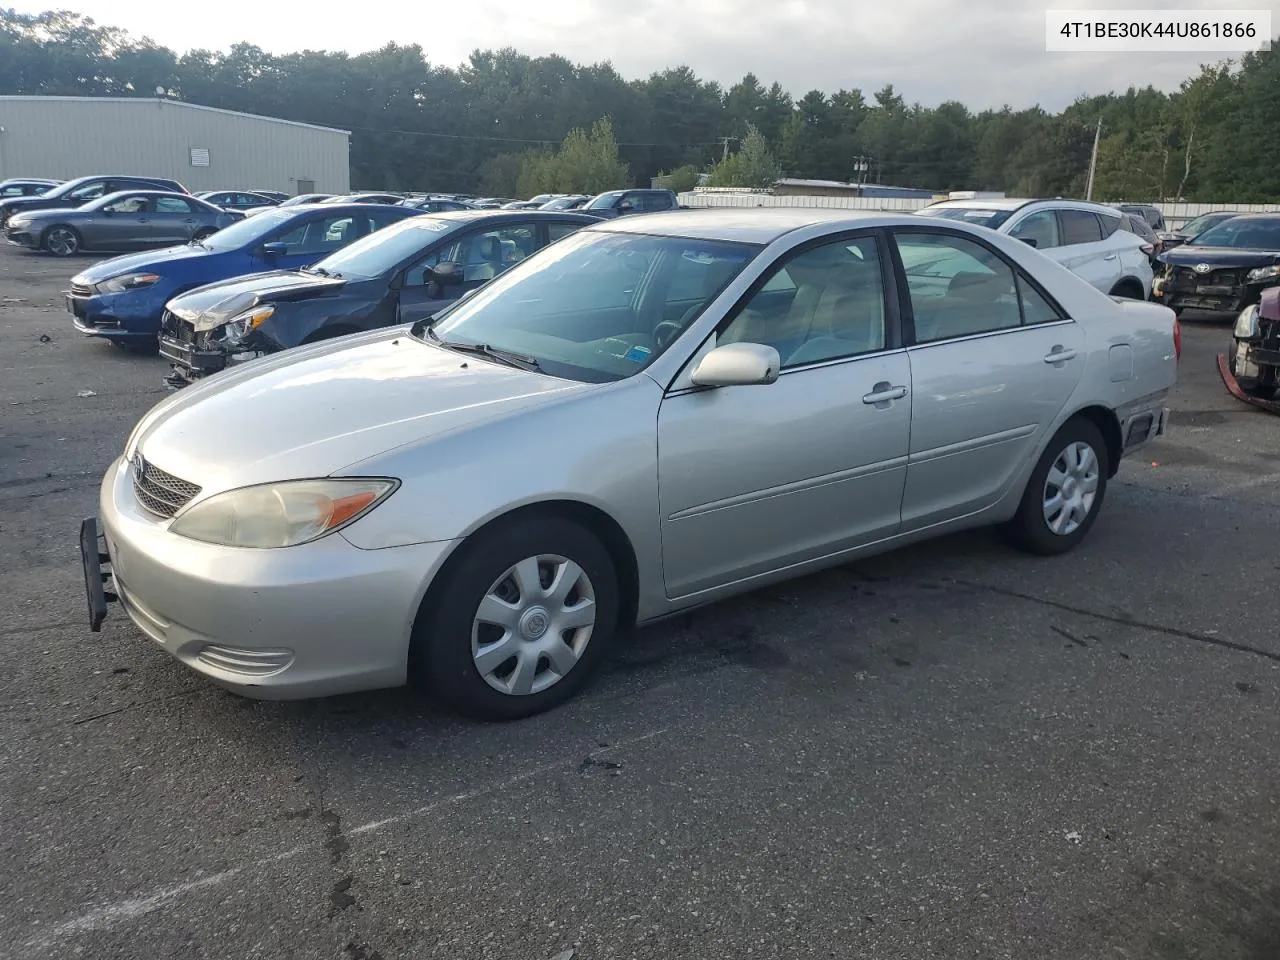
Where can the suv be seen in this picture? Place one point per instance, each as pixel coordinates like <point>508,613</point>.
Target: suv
<point>1089,239</point>
<point>1152,215</point>
<point>78,192</point>
<point>616,203</point>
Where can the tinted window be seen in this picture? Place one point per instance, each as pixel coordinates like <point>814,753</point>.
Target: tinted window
<point>957,287</point>
<point>557,230</point>
<point>831,307</point>
<point>1079,226</point>
<point>1243,232</point>
<point>1202,223</point>
<point>172,205</point>
<point>482,255</point>
<point>90,192</point>
<point>1110,223</point>
<point>324,234</point>
<point>594,308</point>
<point>1041,226</point>
<point>653,201</point>
<point>605,201</point>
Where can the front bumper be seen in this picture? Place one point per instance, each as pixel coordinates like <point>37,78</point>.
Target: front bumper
<point>1210,297</point>
<point>22,238</point>
<point>191,361</point>
<point>313,620</point>
<point>116,316</point>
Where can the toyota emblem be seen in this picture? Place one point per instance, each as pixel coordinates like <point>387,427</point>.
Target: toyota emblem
<point>140,467</point>
<point>1203,268</point>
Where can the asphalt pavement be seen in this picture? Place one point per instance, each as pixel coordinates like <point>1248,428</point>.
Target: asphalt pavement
<point>952,751</point>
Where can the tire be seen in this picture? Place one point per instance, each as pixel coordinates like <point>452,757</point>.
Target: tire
<point>448,636</point>
<point>61,241</point>
<point>1030,527</point>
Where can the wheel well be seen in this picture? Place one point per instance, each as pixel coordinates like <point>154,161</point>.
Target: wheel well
<point>1130,284</point>
<point>328,333</point>
<point>1109,427</point>
<point>592,518</point>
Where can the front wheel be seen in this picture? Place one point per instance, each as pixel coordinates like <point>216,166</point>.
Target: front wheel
<point>519,622</point>
<point>62,241</point>
<point>1065,492</point>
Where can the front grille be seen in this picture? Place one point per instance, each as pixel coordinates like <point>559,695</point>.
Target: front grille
<point>177,328</point>
<point>160,493</point>
<point>81,290</point>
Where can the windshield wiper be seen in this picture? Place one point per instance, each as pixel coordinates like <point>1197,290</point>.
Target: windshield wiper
<point>516,360</point>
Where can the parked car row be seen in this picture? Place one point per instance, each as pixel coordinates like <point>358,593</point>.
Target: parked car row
<point>733,398</point>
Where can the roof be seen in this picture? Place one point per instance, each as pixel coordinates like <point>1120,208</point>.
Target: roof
<point>177,103</point>
<point>524,216</point>
<point>1013,203</point>
<point>745,224</point>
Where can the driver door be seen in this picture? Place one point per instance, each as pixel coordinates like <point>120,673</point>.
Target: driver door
<point>122,223</point>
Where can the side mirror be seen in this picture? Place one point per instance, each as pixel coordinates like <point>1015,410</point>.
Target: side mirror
<point>1028,241</point>
<point>737,365</point>
<point>446,274</point>
<point>276,249</point>
<point>108,212</point>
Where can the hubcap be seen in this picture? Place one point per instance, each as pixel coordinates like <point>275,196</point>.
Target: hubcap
<point>533,625</point>
<point>62,242</point>
<point>1071,488</point>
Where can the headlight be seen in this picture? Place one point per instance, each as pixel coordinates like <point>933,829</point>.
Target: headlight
<point>281,514</point>
<point>1247,323</point>
<point>130,281</point>
<point>1264,273</point>
<point>238,327</point>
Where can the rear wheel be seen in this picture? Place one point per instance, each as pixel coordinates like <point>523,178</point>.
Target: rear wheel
<point>61,241</point>
<point>1065,492</point>
<point>518,621</point>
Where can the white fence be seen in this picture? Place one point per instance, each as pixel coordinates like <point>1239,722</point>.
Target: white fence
<point>1175,214</point>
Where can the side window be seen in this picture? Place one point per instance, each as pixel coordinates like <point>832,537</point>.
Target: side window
<point>381,218</point>
<point>557,230</point>
<point>14,190</point>
<point>172,205</point>
<point>1035,308</point>
<point>481,256</point>
<point>1041,227</point>
<point>127,205</point>
<point>957,287</point>
<point>1111,224</point>
<point>1079,226</point>
<point>90,191</point>
<point>831,305</point>
<point>323,234</point>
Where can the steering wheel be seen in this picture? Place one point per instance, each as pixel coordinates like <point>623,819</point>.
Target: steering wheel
<point>665,332</point>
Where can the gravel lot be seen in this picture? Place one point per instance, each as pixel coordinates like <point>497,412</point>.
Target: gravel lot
<point>952,751</point>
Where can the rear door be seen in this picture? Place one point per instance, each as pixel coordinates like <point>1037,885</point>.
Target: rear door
<point>175,219</point>
<point>1085,252</point>
<point>993,361</point>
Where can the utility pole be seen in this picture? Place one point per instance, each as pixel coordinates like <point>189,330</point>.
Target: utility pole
<point>724,154</point>
<point>1093,160</point>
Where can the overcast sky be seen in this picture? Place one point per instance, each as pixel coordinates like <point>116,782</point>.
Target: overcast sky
<point>982,52</point>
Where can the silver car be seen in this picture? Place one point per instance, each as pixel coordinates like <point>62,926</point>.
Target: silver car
<point>647,415</point>
<point>127,220</point>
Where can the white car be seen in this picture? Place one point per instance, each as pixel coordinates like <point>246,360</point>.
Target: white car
<point>1089,239</point>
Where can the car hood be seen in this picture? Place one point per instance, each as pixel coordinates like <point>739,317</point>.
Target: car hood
<point>312,411</point>
<point>19,204</point>
<point>1189,255</point>
<point>152,261</point>
<point>51,213</point>
<point>210,306</point>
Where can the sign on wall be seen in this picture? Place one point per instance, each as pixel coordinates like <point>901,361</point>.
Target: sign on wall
<point>199,156</point>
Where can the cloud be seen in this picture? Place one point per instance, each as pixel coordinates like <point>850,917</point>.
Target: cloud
<point>983,54</point>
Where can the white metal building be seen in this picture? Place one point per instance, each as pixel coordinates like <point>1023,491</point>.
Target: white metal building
<point>204,148</point>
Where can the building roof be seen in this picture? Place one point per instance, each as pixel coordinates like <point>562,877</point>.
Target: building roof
<point>176,103</point>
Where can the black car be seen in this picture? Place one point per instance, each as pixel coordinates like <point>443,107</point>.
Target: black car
<point>75,193</point>
<point>1193,228</point>
<point>1151,215</point>
<point>237,199</point>
<point>617,203</point>
<point>405,272</point>
<point>25,187</point>
<point>1227,267</point>
<point>436,204</point>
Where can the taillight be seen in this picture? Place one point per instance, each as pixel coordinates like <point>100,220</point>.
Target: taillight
<point>1177,339</point>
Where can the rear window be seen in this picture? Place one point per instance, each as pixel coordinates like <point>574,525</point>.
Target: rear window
<point>982,216</point>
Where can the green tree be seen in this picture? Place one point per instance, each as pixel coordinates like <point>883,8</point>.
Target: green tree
<point>587,162</point>
<point>753,166</point>
<point>681,180</point>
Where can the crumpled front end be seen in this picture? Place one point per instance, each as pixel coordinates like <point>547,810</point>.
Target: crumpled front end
<point>193,353</point>
<point>1251,371</point>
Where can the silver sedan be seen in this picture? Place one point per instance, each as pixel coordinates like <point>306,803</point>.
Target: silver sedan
<point>645,416</point>
<point>128,220</point>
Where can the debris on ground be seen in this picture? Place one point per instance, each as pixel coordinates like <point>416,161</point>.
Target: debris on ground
<point>86,393</point>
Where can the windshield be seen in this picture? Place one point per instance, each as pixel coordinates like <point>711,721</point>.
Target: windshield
<point>983,217</point>
<point>244,232</point>
<point>1243,232</point>
<point>597,306</point>
<point>382,250</point>
<point>604,201</point>
<point>1200,224</point>
<point>63,189</point>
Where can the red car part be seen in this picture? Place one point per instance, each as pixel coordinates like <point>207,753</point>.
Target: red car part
<point>1228,378</point>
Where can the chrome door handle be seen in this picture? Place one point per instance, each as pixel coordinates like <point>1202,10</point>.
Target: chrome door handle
<point>883,392</point>
<point>1058,355</point>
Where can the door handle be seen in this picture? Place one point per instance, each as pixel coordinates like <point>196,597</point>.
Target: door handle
<point>1059,354</point>
<point>885,391</point>
<point>1110,256</point>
